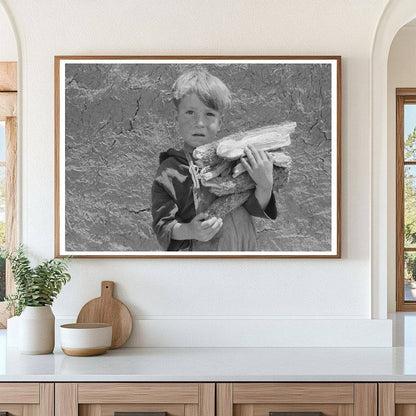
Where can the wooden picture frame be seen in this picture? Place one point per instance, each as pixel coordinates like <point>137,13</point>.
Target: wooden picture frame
<point>114,115</point>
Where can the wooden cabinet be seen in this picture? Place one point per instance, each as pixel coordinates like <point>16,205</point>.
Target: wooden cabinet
<point>105,399</point>
<point>397,399</point>
<point>207,399</point>
<point>263,399</point>
<point>27,399</point>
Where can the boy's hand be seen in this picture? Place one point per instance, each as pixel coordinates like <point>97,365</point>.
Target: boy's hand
<point>259,167</point>
<point>204,229</point>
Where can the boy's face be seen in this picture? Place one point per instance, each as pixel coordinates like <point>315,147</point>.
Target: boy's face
<point>197,123</point>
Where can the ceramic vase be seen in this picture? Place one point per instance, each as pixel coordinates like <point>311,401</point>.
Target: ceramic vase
<point>36,330</point>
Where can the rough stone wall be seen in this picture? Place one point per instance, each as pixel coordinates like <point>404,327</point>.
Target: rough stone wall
<point>120,117</point>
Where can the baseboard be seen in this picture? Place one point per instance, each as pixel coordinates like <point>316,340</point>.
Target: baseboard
<point>258,332</point>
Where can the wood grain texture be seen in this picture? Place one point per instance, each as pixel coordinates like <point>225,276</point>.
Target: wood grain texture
<point>339,135</point>
<point>8,105</point>
<point>405,410</point>
<point>90,410</point>
<point>246,410</point>
<point>293,393</point>
<point>171,409</point>
<point>11,196</point>
<point>405,91</point>
<point>66,399</point>
<point>365,399</point>
<point>47,399</point>
<point>400,304</point>
<point>191,410</point>
<point>31,410</point>
<point>386,399</point>
<point>224,399</point>
<point>27,393</point>
<point>138,393</point>
<point>8,76</point>
<point>405,393</point>
<point>109,310</point>
<point>207,399</point>
<point>13,409</point>
<point>264,409</point>
<point>57,161</point>
<point>345,410</point>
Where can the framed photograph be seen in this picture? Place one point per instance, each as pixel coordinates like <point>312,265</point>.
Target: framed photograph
<point>198,156</point>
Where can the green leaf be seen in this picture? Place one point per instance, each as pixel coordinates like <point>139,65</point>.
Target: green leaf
<point>35,286</point>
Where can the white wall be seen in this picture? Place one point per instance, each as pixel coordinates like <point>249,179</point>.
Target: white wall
<point>179,302</point>
<point>401,74</point>
<point>8,47</point>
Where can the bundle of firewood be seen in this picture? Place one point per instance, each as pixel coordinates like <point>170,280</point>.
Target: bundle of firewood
<point>221,171</point>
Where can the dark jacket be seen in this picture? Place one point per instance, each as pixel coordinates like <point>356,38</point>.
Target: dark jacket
<point>173,202</point>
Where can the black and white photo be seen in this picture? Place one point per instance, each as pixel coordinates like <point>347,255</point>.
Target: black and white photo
<point>198,157</point>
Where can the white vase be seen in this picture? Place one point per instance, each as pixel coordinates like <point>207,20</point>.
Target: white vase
<point>36,330</point>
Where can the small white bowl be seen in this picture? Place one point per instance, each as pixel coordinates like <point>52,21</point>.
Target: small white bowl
<point>83,340</point>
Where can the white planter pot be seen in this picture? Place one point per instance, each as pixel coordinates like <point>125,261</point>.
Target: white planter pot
<point>37,330</point>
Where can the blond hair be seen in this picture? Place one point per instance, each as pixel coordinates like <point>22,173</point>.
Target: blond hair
<point>209,89</point>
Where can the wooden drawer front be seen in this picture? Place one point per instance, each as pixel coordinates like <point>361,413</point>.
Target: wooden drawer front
<point>104,399</point>
<point>27,399</point>
<point>12,409</point>
<point>264,409</point>
<point>19,393</point>
<point>397,399</point>
<point>332,399</point>
<point>293,393</point>
<point>110,409</point>
<point>138,393</point>
<point>405,393</point>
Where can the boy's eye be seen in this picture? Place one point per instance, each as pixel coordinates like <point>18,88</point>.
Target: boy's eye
<point>189,112</point>
<point>210,114</point>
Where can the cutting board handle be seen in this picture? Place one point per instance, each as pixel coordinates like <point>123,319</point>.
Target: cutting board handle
<point>107,288</point>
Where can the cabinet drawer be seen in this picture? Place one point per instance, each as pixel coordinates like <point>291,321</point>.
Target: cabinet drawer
<point>107,399</point>
<point>296,399</point>
<point>397,399</point>
<point>21,399</point>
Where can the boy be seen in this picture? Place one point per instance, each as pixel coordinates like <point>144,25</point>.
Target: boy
<point>178,205</point>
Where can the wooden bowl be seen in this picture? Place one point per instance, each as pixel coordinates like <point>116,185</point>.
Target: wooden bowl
<point>84,340</point>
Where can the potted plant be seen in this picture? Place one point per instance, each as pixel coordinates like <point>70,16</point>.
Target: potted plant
<point>36,289</point>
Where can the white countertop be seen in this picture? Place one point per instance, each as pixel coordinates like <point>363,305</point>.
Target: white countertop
<point>213,364</point>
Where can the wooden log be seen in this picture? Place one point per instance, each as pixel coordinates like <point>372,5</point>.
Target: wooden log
<point>264,138</point>
<point>278,157</point>
<point>227,203</point>
<point>206,155</point>
<point>232,147</point>
<point>228,185</point>
<point>209,172</point>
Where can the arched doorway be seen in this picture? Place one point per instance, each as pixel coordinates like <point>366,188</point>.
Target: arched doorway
<point>396,14</point>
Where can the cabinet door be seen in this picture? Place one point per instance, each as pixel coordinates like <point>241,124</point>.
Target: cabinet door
<point>145,399</point>
<point>26,399</point>
<point>296,399</point>
<point>397,399</point>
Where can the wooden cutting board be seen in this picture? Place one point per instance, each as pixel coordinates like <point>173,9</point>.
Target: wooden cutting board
<point>107,309</point>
